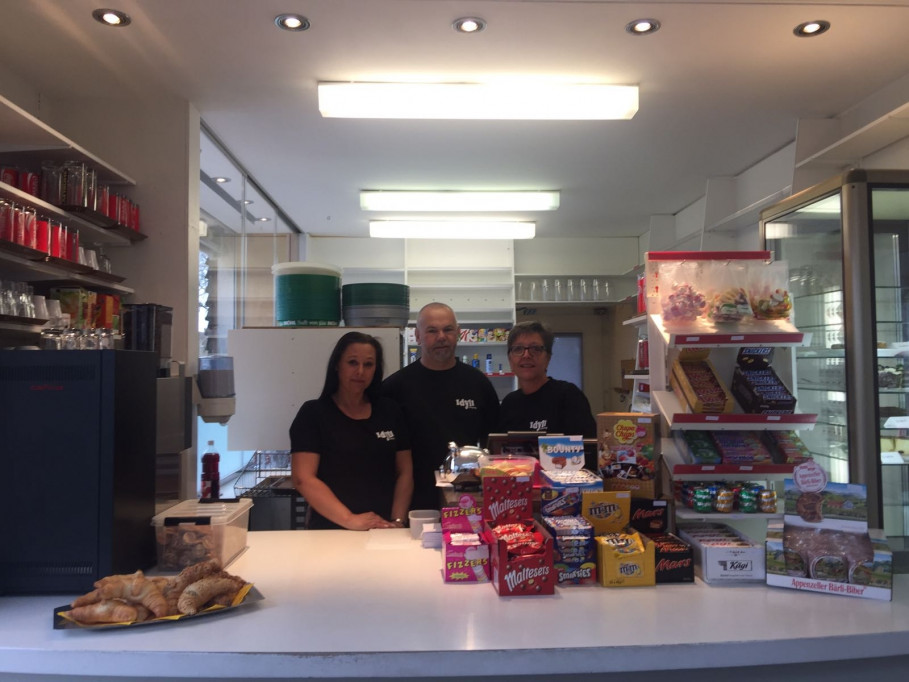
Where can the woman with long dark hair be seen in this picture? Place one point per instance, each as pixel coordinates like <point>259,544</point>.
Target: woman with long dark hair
<point>350,447</point>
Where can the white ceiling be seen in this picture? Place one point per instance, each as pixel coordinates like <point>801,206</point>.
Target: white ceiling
<point>722,86</point>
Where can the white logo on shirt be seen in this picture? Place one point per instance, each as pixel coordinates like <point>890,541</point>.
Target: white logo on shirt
<point>466,403</point>
<point>538,425</point>
<point>386,435</point>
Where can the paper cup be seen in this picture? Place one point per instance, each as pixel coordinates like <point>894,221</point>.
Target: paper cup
<point>419,517</point>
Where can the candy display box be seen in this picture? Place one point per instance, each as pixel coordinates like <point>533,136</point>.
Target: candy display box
<point>695,379</point>
<point>529,575</point>
<point>574,550</point>
<point>465,558</point>
<point>628,456</point>
<point>192,531</point>
<point>621,567</point>
<point>507,499</point>
<point>560,491</point>
<point>466,517</point>
<point>607,511</point>
<point>723,554</point>
<point>649,516</point>
<point>673,559</point>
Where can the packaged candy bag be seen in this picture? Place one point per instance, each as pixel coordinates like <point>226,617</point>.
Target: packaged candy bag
<point>681,298</point>
<point>727,299</point>
<point>768,292</point>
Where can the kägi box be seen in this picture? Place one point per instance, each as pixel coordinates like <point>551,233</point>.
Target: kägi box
<point>192,531</point>
<point>628,456</point>
<point>722,554</point>
<point>532,574</point>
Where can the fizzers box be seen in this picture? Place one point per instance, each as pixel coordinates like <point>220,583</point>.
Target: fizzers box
<point>465,558</point>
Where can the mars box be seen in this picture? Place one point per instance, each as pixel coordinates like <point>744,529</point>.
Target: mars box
<point>628,457</point>
<point>673,559</point>
<point>649,516</point>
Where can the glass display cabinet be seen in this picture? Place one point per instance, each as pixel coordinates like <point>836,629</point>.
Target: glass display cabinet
<point>847,245</point>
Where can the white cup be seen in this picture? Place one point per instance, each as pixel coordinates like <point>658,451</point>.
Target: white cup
<point>420,517</point>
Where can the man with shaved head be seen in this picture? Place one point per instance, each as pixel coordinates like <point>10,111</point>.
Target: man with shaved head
<point>443,400</point>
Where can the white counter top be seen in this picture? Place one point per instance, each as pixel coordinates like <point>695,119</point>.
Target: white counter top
<point>347,604</point>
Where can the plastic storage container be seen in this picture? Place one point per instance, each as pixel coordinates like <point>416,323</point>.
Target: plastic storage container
<point>307,294</point>
<point>194,531</point>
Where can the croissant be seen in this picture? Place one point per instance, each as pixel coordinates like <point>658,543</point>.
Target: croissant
<point>107,611</point>
<point>135,588</point>
<point>195,596</point>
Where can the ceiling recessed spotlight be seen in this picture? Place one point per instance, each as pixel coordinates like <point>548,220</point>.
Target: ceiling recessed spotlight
<point>292,22</point>
<point>469,25</point>
<point>221,181</point>
<point>642,27</point>
<point>262,220</point>
<point>111,17</point>
<point>811,28</point>
<point>247,202</point>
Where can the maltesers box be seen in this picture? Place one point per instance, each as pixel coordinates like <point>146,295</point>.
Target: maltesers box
<point>507,499</point>
<point>620,567</point>
<point>649,516</point>
<point>673,559</point>
<point>192,531</point>
<point>465,558</point>
<point>628,456</point>
<point>723,554</point>
<point>560,491</point>
<point>607,511</point>
<point>532,574</point>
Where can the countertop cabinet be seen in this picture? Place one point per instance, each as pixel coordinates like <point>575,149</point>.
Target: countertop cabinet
<point>26,142</point>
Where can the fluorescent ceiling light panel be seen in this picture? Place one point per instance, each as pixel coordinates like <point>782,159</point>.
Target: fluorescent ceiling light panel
<point>523,100</point>
<point>393,200</point>
<point>451,229</point>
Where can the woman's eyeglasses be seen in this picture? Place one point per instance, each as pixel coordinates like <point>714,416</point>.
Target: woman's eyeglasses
<point>518,351</point>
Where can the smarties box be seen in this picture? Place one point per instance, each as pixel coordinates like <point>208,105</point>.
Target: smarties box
<point>628,457</point>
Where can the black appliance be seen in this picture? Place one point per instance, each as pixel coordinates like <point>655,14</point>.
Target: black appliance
<point>77,448</point>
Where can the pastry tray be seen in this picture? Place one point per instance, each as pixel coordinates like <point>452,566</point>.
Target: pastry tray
<point>247,595</point>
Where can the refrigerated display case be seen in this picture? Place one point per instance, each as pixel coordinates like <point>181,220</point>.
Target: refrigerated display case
<point>846,241</point>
